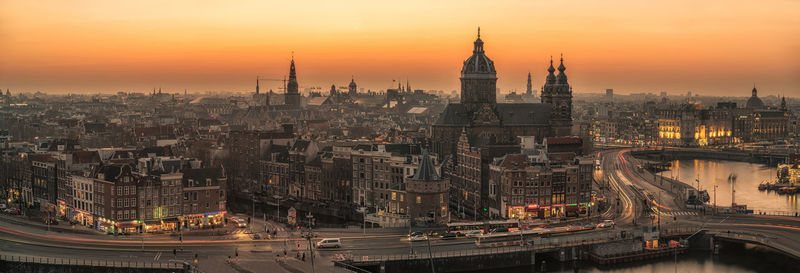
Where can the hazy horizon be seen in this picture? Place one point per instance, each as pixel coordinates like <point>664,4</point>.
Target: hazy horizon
<point>711,48</point>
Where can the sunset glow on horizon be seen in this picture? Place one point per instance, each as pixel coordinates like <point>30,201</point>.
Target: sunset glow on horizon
<point>707,47</point>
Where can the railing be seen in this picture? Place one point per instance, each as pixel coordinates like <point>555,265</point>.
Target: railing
<point>776,213</point>
<point>88,262</point>
<point>445,254</point>
<point>539,244</point>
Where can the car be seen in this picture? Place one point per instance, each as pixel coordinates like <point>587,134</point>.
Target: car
<point>606,224</point>
<point>433,234</point>
<point>420,237</point>
<point>449,236</point>
<point>3,207</point>
<point>330,243</point>
<point>474,234</point>
<point>13,211</point>
<point>415,233</point>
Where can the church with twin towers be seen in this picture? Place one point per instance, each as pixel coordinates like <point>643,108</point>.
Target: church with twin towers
<point>487,123</point>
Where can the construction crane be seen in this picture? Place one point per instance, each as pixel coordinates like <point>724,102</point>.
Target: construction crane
<point>259,79</point>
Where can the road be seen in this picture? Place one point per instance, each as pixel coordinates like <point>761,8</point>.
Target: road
<point>18,237</point>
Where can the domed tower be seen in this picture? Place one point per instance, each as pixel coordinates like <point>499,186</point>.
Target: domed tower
<point>754,103</point>
<point>352,88</point>
<point>478,78</point>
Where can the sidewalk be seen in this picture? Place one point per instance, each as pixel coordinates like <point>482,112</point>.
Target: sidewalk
<point>66,228</point>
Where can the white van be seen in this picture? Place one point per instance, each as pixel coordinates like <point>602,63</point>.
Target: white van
<point>329,242</point>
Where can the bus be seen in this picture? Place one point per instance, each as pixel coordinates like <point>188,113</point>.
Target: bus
<point>485,227</point>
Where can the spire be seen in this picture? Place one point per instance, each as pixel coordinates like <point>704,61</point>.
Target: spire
<point>551,78</point>
<point>530,85</point>
<point>478,43</point>
<point>783,103</point>
<point>755,92</point>
<point>408,86</point>
<point>292,86</point>
<point>562,77</point>
<point>426,171</point>
<point>256,85</point>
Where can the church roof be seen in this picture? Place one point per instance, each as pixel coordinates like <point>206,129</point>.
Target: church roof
<point>509,114</point>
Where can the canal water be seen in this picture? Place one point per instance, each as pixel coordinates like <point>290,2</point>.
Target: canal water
<point>712,173</point>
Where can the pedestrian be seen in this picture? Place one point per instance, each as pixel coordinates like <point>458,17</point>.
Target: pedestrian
<point>304,256</point>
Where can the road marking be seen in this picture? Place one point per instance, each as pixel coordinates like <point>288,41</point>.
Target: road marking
<point>723,220</point>
<point>158,256</point>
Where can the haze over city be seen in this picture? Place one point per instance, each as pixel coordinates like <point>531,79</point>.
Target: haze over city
<point>709,48</point>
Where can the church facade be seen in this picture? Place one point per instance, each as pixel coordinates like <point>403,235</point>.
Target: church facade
<point>487,122</point>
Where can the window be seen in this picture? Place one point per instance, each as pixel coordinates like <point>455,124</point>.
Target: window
<point>419,200</point>
<point>133,202</point>
<point>394,196</point>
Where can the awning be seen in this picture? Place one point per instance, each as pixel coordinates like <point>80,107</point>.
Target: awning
<point>152,222</point>
<point>127,225</point>
<point>105,224</point>
<point>171,220</point>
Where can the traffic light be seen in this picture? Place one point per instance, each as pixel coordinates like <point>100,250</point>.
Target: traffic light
<point>485,209</point>
<point>248,220</point>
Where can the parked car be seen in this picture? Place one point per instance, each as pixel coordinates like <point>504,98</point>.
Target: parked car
<point>449,236</point>
<point>421,237</point>
<point>330,242</point>
<point>606,224</point>
<point>3,207</point>
<point>474,234</point>
<point>13,211</point>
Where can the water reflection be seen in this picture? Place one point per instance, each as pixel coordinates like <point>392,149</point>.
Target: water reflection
<point>712,173</point>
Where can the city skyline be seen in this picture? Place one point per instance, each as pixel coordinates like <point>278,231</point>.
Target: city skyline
<point>631,47</point>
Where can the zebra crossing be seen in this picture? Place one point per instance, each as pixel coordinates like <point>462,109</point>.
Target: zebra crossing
<point>680,213</point>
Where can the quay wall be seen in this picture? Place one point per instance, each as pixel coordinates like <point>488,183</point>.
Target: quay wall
<point>8,266</point>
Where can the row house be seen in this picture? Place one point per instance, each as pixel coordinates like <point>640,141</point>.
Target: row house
<point>115,188</point>
<point>204,197</point>
<point>531,185</point>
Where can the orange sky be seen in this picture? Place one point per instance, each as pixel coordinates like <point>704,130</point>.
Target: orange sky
<point>708,47</point>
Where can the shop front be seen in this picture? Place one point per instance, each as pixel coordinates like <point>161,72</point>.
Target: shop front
<point>61,210</point>
<point>82,217</point>
<point>203,220</point>
<point>170,224</point>
<point>215,218</point>
<point>128,227</point>
<point>152,226</point>
<point>106,225</point>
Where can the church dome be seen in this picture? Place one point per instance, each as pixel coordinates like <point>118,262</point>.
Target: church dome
<point>754,102</point>
<point>478,63</point>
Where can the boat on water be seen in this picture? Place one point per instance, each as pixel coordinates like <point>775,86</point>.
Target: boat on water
<point>787,190</point>
<point>774,186</point>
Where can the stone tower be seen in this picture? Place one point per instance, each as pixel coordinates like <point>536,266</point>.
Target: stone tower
<point>558,93</point>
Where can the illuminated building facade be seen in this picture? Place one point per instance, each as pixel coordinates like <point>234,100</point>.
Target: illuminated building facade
<point>693,125</point>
